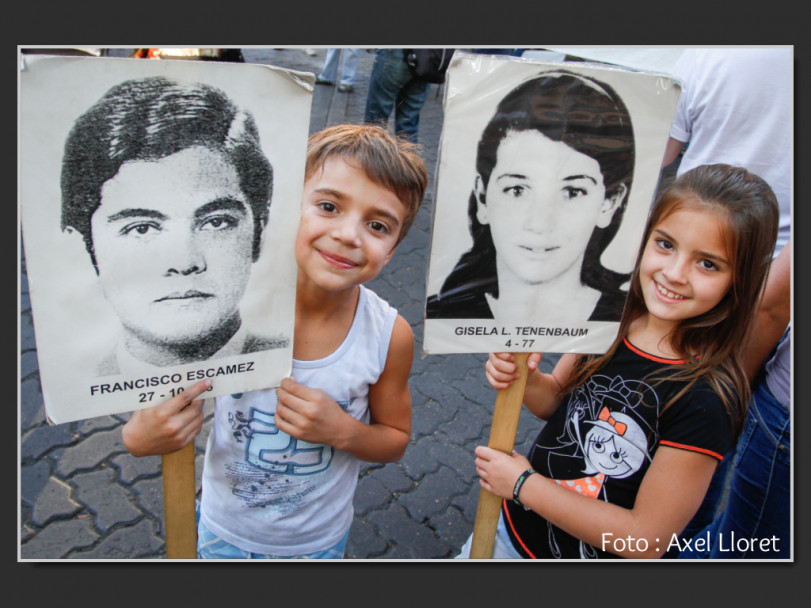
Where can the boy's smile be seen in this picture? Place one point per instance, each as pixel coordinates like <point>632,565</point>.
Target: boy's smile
<point>349,226</point>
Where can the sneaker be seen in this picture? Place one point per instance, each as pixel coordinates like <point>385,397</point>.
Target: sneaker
<point>311,52</point>
<point>346,88</point>
<point>319,80</point>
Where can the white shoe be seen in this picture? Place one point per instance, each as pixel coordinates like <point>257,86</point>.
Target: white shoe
<point>311,52</point>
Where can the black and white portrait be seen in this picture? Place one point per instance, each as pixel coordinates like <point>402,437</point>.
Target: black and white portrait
<point>179,185</point>
<point>559,158</point>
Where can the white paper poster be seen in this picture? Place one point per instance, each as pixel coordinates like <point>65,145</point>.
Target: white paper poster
<point>545,177</point>
<point>159,203</point>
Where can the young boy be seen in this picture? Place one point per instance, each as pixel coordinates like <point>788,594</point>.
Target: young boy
<point>281,465</point>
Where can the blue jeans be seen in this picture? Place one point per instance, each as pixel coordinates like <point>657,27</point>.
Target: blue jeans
<point>759,504</point>
<point>210,546</point>
<point>392,86</point>
<point>349,69</point>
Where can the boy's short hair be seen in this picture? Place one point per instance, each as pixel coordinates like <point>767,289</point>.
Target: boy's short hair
<point>390,161</point>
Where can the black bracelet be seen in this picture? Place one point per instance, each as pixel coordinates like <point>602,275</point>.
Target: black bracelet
<point>520,482</point>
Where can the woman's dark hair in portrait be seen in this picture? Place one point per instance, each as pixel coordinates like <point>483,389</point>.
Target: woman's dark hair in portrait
<point>587,116</point>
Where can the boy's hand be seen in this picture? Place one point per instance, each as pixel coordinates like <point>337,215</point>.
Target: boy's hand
<point>167,427</point>
<point>501,369</point>
<point>308,413</point>
<point>498,471</point>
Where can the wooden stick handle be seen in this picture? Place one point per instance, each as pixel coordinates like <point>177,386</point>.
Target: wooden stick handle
<point>502,437</point>
<point>178,503</point>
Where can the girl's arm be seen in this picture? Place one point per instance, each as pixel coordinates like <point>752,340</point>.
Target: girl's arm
<point>542,393</point>
<point>312,415</point>
<point>670,494</point>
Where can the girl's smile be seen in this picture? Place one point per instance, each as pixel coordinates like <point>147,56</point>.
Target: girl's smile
<point>685,269</point>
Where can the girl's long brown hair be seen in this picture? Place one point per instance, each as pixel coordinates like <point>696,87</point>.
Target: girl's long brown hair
<point>712,343</point>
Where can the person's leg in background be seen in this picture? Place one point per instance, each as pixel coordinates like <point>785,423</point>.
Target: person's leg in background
<point>329,73</point>
<point>389,74</point>
<point>349,70</point>
<point>407,109</point>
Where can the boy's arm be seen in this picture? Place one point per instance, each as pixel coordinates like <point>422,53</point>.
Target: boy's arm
<point>168,427</point>
<point>312,415</point>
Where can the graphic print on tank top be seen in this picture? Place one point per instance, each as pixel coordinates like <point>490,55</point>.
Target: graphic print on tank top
<point>277,470</point>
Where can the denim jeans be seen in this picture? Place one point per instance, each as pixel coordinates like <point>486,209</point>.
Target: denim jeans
<point>349,69</point>
<point>759,504</point>
<point>392,86</point>
<point>210,546</point>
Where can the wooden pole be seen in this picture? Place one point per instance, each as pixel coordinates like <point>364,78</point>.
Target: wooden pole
<point>502,437</point>
<point>178,503</point>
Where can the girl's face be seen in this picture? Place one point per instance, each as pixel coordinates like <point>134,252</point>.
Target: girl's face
<point>685,269</point>
<point>542,203</point>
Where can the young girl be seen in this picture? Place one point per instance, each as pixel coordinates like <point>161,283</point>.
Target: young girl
<point>633,436</point>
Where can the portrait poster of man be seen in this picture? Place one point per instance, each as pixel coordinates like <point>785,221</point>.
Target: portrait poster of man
<point>545,177</point>
<point>159,203</point>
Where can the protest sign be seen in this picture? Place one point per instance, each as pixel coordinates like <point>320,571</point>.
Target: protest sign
<point>159,204</point>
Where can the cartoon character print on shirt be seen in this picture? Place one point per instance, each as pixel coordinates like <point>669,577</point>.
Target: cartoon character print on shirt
<point>605,437</point>
<point>276,465</point>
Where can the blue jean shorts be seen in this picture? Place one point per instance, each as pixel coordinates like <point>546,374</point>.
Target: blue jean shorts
<point>211,546</point>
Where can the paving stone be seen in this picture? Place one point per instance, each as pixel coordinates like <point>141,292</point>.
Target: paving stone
<point>29,365</point>
<point>369,495</point>
<point>417,463</point>
<point>364,541</point>
<point>452,529</point>
<point>27,340</point>
<point>409,540</point>
<point>130,542</point>
<point>428,416</point>
<point>131,469</point>
<point>97,423</point>
<point>32,407</point>
<point>468,502</point>
<point>110,502</point>
<point>60,539</point>
<point>149,496</point>
<point>432,495</point>
<point>90,452</point>
<point>54,501</point>
<point>42,439</point>
<point>33,478</point>
<point>394,479</point>
<point>453,456</point>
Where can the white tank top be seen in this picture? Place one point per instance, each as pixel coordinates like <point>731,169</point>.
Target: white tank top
<point>267,492</point>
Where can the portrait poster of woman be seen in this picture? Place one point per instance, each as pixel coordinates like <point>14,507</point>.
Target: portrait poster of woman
<point>159,204</point>
<point>545,176</point>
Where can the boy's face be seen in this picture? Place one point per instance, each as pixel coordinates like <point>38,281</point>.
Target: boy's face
<point>173,243</point>
<point>349,226</point>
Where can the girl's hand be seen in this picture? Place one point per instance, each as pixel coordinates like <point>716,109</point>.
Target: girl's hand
<point>501,369</point>
<point>499,471</point>
<point>308,413</point>
<point>167,427</point>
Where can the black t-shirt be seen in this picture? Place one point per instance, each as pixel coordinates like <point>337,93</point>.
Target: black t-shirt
<point>601,440</point>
